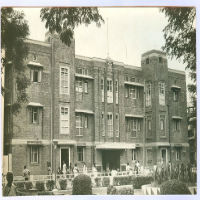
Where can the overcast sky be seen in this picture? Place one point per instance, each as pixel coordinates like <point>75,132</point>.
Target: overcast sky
<point>131,32</point>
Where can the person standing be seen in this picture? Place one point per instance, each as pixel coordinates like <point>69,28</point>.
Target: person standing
<point>84,168</point>
<point>128,168</point>
<point>26,173</point>
<point>94,173</point>
<point>64,170</point>
<point>137,167</point>
<point>75,170</point>
<point>10,189</point>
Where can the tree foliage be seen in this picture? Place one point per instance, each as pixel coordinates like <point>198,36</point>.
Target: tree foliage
<point>180,38</point>
<point>14,29</point>
<point>64,20</point>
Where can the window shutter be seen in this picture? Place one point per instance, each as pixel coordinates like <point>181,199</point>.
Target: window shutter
<point>39,75</point>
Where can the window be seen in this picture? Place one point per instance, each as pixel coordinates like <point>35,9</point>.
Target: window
<point>160,59</point>
<point>64,80</point>
<point>64,120</point>
<point>132,79</point>
<point>117,125</point>
<point>149,124</point>
<point>34,154</point>
<point>126,78</point>
<point>177,124</point>
<point>110,125</point>
<point>109,91</point>
<point>34,115</point>
<point>103,124</point>
<point>116,91</point>
<point>80,154</point>
<point>162,125</point>
<point>102,89</point>
<point>85,117</point>
<point>149,156</point>
<point>86,87</point>
<point>134,154</point>
<point>132,92</point>
<point>82,71</point>
<point>175,95</point>
<point>126,92</point>
<point>148,94</point>
<point>81,121</point>
<point>79,86</point>
<point>147,61</point>
<point>36,75</point>
<point>161,93</point>
<point>178,153</point>
<point>133,126</point>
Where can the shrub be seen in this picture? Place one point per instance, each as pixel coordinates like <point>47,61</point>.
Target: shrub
<point>122,180</point>
<point>111,190</point>
<point>82,185</point>
<point>28,185</point>
<point>174,187</point>
<point>63,184</point>
<point>19,185</point>
<point>125,191</point>
<point>141,180</point>
<point>39,185</point>
<point>50,184</point>
<point>105,181</point>
<point>98,182</point>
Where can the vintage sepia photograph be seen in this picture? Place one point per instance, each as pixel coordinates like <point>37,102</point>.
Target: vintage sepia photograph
<point>98,101</point>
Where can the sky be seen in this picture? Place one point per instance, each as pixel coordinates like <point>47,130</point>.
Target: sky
<point>131,32</point>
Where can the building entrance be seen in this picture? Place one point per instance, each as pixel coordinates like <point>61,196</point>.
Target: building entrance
<point>111,159</point>
<point>64,157</point>
<point>164,155</point>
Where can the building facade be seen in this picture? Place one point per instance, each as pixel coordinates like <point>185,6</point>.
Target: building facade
<point>96,110</point>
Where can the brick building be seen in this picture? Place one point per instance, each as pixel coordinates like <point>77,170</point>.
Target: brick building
<point>96,110</point>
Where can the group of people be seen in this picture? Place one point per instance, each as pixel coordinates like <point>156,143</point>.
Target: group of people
<point>136,168</point>
<point>71,170</point>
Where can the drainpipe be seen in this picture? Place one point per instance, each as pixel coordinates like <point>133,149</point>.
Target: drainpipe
<point>170,150</point>
<point>144,128</point>
<point>51,110</point>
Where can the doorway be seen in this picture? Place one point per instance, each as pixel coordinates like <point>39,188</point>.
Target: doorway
<point>164,156</point>
<point>64,157</point>
<point>111,159</point>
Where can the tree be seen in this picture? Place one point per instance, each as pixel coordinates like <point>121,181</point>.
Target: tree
<point>64,20</point>
<point>180,40</point>
<point>14,30</point>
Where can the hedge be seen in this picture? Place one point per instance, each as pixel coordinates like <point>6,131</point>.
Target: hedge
<point>28,185</point>
<point>122,180</point>
<point>40,186</point>
<point>141,180</point>
<point>174,187</point>
<point>63,184</point>
<point>112,190</point>
<point>105,181</point>
<point>50,185</point>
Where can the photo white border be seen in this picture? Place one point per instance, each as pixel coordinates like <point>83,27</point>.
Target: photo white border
<point>120,3</point>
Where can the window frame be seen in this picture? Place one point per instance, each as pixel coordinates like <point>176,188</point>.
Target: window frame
<point>80,153</point>
<point>34,70</point>
<point>32,158</point>
<point>65,79</point>
<point>178,154</point>
<point>86,87</point>
<point>110,124</point>
<point>148,95</point>
<point>161,87</point>
<point>117,124</point>
<point>67,119</point>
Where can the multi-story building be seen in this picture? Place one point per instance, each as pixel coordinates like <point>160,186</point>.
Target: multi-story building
<point>96,111</point>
